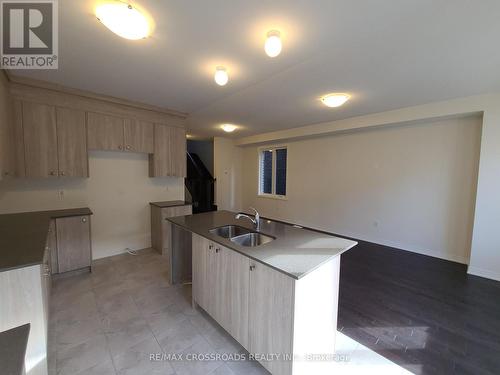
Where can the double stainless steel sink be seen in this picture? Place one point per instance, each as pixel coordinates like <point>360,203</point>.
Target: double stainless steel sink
<point>242,236</point>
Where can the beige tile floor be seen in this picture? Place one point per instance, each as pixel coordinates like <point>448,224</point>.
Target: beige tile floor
<point>110,321</point>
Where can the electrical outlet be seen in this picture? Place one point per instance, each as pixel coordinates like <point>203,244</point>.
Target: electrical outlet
<point>60,193</point>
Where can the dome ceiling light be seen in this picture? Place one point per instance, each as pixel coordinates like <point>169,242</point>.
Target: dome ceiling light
<point>273,43</point>
<point>228,128</point>
<point>335,99</point>
<point>123,19</point>
<point>221,77</point>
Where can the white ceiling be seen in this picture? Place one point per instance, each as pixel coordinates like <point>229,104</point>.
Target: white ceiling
<point>387,54</point>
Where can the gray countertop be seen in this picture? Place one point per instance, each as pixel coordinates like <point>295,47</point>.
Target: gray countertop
<point>23,236</point>
<point>295,251</point>
<point>13,345</point>
<point>170,204</point>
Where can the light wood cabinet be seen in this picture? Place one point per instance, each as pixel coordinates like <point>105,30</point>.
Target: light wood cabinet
<point>178,163</point>
<point>169,157</point>
<point>49,141</point>
<point>40,140</point>
<point>73,243</point>
<point>53,141</point>
<point>202,278</point>
<point>104,132</point>
<point>71,143</point>
<point>221,286</point>
<point>12,143</point>
<point>267,311</point>
<point>138,136</point>
<point>270,316</point>
<point>232,293</point>
<point>119,134</point>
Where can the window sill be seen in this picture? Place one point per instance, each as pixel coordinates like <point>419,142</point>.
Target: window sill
<point>273,196</point>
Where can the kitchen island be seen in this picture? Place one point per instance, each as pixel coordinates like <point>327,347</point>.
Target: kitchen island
<point>279,298</point>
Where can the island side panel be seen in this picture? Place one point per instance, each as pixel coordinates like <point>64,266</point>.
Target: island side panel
<point>315,318</point>
<point>271,318</point>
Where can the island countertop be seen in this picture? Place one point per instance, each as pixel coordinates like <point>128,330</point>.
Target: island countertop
<point>296,251</point>
<point>23,236</point>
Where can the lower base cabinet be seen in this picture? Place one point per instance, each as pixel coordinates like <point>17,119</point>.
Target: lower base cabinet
<point>69,243</point>
<point>271,318</point>
<point>281,321</point>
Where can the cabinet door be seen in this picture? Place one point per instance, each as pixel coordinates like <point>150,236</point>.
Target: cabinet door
<point>202,278</point>
<point>139,136</point>
<point>40,140</point>
<point>104,132</point>
<point>73,243</point>
<point>160,160</point>
<point>72,143</point>
<point>232,292</point>
<point>169,158</point>
<point>270,316</point>
<point>12,143</point>
<point>178,152</point>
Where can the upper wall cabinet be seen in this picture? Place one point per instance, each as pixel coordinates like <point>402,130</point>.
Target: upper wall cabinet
<point>54,141</point>
<point>169,158</point>
<point>48,130</point>
<point>104,132</point>
<point>72,143</point>
<point>40,140</point>
<point>12,149</point>
<point>119,134</point>
<point>138,136</point>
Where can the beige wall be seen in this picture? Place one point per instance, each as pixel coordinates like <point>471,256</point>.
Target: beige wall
<point>412,186</point>
<point>118,192</point>
<point>485,250</point>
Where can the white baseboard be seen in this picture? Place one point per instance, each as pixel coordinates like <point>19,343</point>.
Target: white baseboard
<point>483,273</point>
<point>458,258</point>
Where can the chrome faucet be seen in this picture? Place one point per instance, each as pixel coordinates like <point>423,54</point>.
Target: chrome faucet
<point>255,221</point>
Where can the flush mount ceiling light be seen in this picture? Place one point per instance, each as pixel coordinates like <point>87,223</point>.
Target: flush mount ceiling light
<point>273,43</point>
<point>221,77</point>
<point>123,19</point>
<point>335,99</point>
<point>228,128</point>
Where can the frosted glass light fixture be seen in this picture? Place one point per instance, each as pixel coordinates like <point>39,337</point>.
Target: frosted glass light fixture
<point>123,19</point>
<point>273,43</point>
<point>228,128</point>
<point>221,77</point>
<point>335,100</point>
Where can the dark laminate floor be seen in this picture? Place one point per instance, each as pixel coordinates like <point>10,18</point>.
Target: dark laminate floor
<point>422,313</point>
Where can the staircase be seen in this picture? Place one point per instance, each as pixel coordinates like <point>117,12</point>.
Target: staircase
<point>200,184</point>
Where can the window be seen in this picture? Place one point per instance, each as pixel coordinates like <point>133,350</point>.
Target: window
<point>272,172</point>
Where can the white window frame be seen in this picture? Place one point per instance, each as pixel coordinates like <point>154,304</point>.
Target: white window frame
<point>273,195</point>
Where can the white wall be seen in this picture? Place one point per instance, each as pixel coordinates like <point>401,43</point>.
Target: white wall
<point>118,192</point>
<point>485,249</point>
<point>485,259</point>
<point>228,170</point>
<point>411,187</point>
